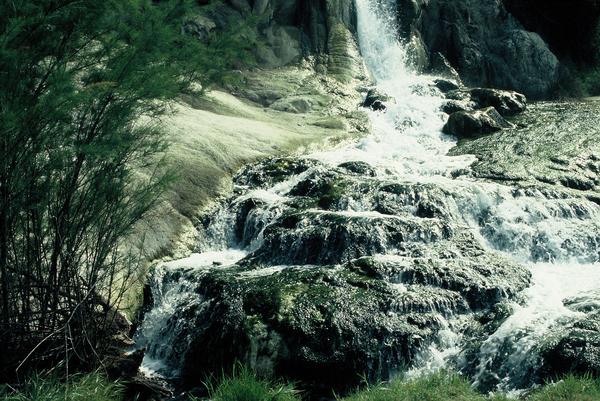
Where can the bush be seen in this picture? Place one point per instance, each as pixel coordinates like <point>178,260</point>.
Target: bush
<point>91,387</point>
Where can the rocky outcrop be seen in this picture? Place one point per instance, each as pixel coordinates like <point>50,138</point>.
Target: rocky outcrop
<point>574,346</point>
<point>329,296</point>
<point>291,30</point>
<point>570,28</point>
<point>480,111</point>
<point>530,152</point>
<point>470,124</point>
<point>485,43</point>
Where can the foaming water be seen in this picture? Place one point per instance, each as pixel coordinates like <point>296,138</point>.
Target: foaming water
<point>510,355</point>
<point>556,237</point>
<point>406,139</point>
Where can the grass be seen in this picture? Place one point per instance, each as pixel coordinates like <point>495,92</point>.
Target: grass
<point>438,387</point>
<point>90,387</point>
<point>571,388</point>
<point>452,387</point>
<point>243,385</point>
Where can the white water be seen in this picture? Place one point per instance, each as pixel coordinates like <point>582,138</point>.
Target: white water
<point>407,140</point>
<point>406,145</point>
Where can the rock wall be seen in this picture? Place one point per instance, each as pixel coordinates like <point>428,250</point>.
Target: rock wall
<point>570,27</point>
<point>291,30</point>
<point>483,41</point>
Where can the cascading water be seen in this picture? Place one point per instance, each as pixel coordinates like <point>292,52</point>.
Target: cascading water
<point>554,233</point>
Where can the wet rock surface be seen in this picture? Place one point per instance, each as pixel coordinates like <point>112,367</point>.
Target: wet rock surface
<point>552,143</point>
<point>348,274</point>
<point>470,124</point>
<point>575,345</point>
<point>376,100</point>
<point>484,42</point>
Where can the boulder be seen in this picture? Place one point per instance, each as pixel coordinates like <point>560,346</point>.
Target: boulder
<point>470,124</point>
<point>453,106</point>
<point>359,167</point>
<point>507,103</point>
<point>376,100</point>
<point>446,85</point>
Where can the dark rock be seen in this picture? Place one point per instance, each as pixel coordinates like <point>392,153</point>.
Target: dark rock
<point>441,66</point>
<point>485,43</point>
<point>446,85</point>
<point>290,29</point>
<point>470,124</point>
<point>507,103</point>
<point>376,100</point>
<point>578,182</point>
<point>568,27</point>
<point>378,105</point>
<point>142,388</point>
<point>452,106</point>
<point>124,365</point>
<point>272,171</point>
<point>360,168</point>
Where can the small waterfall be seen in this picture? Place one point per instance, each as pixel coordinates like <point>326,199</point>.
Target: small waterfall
<point>557,236</point>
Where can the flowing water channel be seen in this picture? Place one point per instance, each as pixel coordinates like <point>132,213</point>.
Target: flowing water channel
<point>554,235</point>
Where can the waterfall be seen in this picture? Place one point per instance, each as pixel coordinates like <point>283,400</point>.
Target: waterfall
<point>556,235</point>
<point>556,238</point>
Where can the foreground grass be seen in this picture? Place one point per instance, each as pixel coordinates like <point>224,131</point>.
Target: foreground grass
<point>91,387</point>
<point>245,386</point>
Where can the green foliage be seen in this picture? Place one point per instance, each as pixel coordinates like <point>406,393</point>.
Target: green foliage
<point>83,87</point>
<point>243,385</point>
<point>91,387</point>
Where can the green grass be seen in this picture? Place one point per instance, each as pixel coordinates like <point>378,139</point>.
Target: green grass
<point>90,387</point>
<point>452,387</point>
<point>571,388</point>
<point>438,387</point>
<point>243,385</point>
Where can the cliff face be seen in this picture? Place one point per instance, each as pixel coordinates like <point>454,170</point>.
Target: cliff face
<point>509,44</point>
<point>485,43</point>
<point>532,46</point>
<point>570,27</point>
<point>291,30</point>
